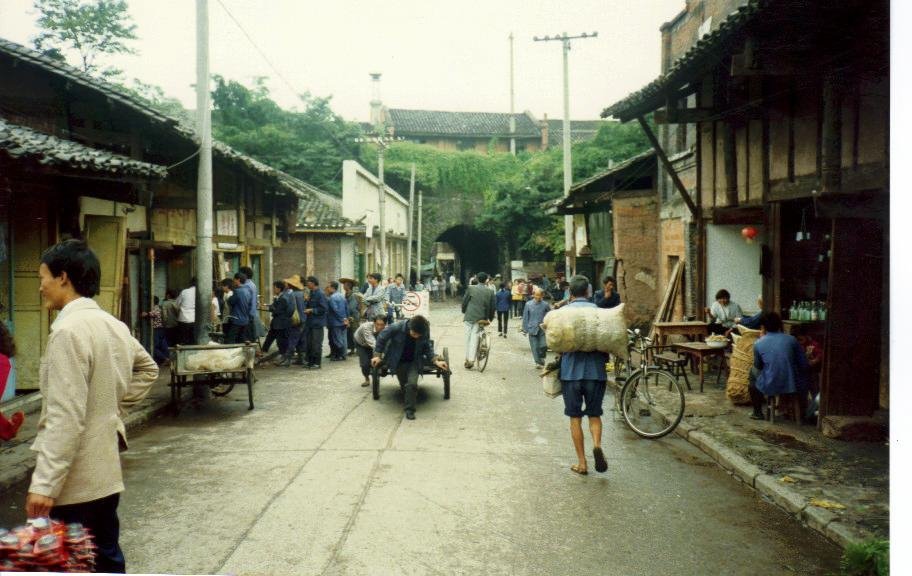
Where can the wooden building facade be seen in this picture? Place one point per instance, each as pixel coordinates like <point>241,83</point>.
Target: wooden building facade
<point>138,210</point>
<point>786,109</point>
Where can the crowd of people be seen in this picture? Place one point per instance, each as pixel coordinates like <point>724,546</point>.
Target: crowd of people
<point>78,476</point>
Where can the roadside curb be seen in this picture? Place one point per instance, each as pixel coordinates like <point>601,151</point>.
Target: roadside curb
<point>824,522</point>
<point>13,475</point>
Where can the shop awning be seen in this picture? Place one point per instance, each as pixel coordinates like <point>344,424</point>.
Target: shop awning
<point>633,176</point>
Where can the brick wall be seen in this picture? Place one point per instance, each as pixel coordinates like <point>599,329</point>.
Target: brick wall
<point>291,258</point>
<point>672,244</point>
<point>636,238</point>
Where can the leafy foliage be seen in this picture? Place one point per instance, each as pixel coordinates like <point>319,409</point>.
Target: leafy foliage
<point>309,144</point>
<point>870,558</point>
<point>88,28</point>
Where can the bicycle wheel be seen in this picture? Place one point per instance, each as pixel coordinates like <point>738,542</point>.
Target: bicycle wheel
<point>652,403</point>
<point>484,350</point>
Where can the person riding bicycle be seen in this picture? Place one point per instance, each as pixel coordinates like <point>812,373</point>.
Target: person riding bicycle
<point>583,379</point>
<point>405,347</point>
<point>376,297</point>
<point>477,306</point>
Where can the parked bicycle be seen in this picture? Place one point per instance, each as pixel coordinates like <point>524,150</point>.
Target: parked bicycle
<point>650,399</point>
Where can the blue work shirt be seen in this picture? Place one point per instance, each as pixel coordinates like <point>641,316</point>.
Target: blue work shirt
<point>533,315</point>
<point>239,301</point>
<point>503,299</point>
<point>317,303</point>
<point>583,365</point>
<point>782,364</point>
<point>610,302</point>
<point>338,310</point>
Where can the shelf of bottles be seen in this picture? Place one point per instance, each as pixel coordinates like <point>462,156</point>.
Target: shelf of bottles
<point>808,311</point>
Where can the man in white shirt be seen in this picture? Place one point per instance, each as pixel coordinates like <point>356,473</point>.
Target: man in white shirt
<point>186,316</point>
<point>92,372</point>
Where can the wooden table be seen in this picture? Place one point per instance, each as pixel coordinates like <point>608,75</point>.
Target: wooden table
<point>690,328</point>
<point>698,351</point>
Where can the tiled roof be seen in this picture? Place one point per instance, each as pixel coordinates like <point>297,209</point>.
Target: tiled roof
<point>19,142</point>
<point>580,131</point>
<point>471,124</point>
<point>318,210</point>
<point>182,127</point>
<point>708,51</point>
<point>602,187</point>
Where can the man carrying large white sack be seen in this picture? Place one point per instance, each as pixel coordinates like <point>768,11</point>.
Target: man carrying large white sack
<point>584,335</point>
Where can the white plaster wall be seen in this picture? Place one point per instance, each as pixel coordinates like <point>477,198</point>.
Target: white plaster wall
<point>733,264</point>
<point>359,197</point>
<point>347,260</point>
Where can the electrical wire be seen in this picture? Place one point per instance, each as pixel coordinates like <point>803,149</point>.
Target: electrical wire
<point>258,49</point>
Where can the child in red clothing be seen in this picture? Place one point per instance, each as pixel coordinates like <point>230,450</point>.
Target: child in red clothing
<point>8,428</point>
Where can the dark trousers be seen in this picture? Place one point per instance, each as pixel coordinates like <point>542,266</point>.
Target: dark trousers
<point>186,333</point>
<point>503,318</point>
<point>407,373</point>
<point>517,307</point>
<point>314,345</point>
<point>100,517</point>
<point>235,333</point>
<point>295,336</point>
<point>173,335</point>
<point>277,335</point>
<point>160,346</point>
<point>364,359</point>
<point>337,341</point>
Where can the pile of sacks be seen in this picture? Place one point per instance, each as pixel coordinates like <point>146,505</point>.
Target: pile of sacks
<point>217,360</point>
<point>587,329</point>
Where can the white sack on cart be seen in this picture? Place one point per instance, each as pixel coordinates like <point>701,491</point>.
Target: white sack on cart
<point>586,329</point>
<point>220,360</point>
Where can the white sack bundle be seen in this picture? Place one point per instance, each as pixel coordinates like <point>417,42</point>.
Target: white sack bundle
<point>586,329</point>
<point>221,360</point>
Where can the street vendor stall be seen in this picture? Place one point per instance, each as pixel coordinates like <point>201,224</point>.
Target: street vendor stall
<point>219,366</point>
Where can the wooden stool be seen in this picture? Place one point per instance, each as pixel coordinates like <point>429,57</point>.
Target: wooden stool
<point>773,402</point>
<point>674,362</point>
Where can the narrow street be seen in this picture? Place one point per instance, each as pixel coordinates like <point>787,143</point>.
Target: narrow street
<point>321,479</point>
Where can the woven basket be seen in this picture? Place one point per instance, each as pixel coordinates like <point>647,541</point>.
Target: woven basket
<point>742,359</point>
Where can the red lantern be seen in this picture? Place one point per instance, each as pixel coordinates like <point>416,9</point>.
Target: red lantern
<point>749,233</point>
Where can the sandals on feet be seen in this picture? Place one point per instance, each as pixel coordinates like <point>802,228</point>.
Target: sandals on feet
<point>601,465</point>
<point>581,471</point>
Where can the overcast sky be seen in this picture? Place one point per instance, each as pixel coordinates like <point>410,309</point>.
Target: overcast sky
<point>434,54</point>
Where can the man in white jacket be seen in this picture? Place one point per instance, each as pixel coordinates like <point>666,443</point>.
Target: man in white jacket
<point>92,372</point>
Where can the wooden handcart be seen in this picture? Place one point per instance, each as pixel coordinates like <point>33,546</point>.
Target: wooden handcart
<point>220,376</point>
<point>428,369</point>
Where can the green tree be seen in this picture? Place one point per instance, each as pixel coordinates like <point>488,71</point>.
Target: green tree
<point>309,144</point>
<point>86,28</point>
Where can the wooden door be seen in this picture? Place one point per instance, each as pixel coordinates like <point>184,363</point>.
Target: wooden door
<point>107,237</point>
<point>852,357</point>
<point>31,235</point>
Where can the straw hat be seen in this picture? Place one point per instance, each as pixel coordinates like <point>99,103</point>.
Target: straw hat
<point>295,281</point>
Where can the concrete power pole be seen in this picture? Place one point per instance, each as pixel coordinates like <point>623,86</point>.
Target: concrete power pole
<point>204,177</point>
<point>568,163</point>
<point>512,99</point>
<point>420,203</point>
<point>382,200</point>
<point>411,211</point>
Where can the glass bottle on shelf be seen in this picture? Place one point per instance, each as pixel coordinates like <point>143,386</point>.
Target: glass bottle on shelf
<point>815,311</point>
<point>805,312</point>
<point>822,314</point>
<point>793,311</point>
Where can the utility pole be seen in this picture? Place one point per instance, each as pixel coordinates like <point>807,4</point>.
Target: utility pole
<point>204,177</point>
<point>382,143</point>
<point>420,198</point>
<point>512,98</point>
<point>408,249</point>
<point>568,164</point>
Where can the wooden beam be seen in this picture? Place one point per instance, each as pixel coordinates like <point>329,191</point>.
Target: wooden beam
<point>660,153</point>
<point>831,135</point>
<point>697,115</point>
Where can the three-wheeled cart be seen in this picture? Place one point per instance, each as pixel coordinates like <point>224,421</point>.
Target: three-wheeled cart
<point>218,366</point>
<point>428,369</point>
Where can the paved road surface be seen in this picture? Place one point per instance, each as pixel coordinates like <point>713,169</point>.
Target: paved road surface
<point>321,479</point>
